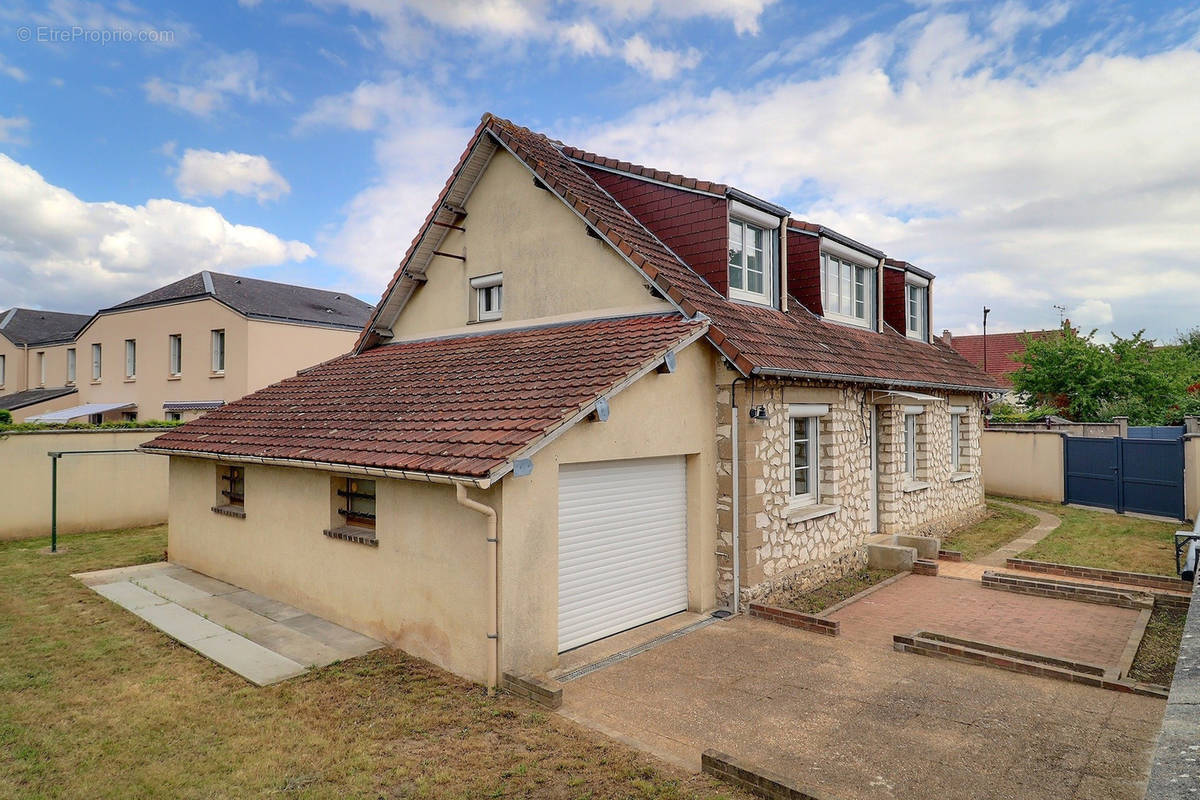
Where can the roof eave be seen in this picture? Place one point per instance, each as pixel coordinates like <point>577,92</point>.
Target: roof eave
<point>776,372</point>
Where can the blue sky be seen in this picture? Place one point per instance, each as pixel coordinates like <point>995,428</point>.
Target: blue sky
<point>1028,154</point>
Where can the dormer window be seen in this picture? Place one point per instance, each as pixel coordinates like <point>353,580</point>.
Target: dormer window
<point>847,286</point>
<point>752,254</point>
<point>916,306</point>
<point>489,296</point>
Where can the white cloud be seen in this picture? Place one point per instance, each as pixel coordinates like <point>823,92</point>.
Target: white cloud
<point>12,71</point>
<point>413,162</point>
<point>1091,313</point>
<point>56,248</point>
<point>12,129</point>
<point>204,173</point>
<point>660,64</point>
<point>585,39</point>
<point>228,75</point>
<point>1019,190</point>
<point>744,14</point>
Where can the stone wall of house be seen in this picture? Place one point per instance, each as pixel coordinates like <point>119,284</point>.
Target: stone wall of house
<point>783,546</point>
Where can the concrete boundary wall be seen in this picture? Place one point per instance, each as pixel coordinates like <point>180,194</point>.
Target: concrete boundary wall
<point>100,492</point>
<point>1025,464</point>
<point>1191,476</point>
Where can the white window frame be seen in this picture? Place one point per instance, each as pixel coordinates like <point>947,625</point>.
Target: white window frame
<point>485,287</point>
<point>848,262</point>
<point>130,359</point>
<point>71,366</point>
<point>175,354</point>
<point>745,217</point>
<point>910,440</point>
<point>97,361</point>
<point>957,414</point>
<point>918,286</point>
<point>218,351</point>
<point>811,414</point>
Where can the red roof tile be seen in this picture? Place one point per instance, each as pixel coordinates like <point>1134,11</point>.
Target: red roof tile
<point>1001,349</point>
<point>455,406</point>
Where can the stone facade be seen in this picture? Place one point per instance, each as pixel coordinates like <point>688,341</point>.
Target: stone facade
<point>783,545</point>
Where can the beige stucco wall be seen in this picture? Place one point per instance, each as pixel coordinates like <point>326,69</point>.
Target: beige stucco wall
<point>1191,476</point>
<point>1024,464</point>
<point>558,271</point>
<point>660,415</point>
<point>423,589</point>
<point>275,350</point>
<point>94,492</point>
<point>21,370</point>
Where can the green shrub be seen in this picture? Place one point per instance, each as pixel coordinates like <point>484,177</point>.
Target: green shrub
<point>76,426</point>
<point>5,417</point>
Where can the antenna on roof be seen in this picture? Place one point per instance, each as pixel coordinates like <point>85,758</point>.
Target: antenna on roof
<point>1062,313</point>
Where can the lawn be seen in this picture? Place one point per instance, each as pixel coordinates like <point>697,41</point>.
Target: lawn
<point>1156,655</point>
<point>814,601</point>
<point>95,703</point>
<point>1001,525</point>
<point>1110,541</point>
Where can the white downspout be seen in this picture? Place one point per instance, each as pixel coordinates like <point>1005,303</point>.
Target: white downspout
<point>735,492</point>
<point>460,494</point>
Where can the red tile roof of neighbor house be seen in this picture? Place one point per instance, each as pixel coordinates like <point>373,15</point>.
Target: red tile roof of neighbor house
<point>1001,349</point>
<point>460,405</point>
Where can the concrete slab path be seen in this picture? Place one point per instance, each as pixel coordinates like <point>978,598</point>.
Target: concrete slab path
<point>1046,524</point>
<point>263,640</point>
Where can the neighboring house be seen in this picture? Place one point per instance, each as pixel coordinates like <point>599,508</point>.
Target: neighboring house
<point>593,395</point>
<point>33,359</point>
<point>194,345</point>
<point>998,351</point>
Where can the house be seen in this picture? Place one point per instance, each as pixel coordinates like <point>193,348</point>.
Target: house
<point>594,394</point>
<point>191,346</point>
<point>33,359</point>
<point>996,353</point>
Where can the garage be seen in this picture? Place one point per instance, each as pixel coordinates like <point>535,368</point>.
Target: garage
<point>622,546</point>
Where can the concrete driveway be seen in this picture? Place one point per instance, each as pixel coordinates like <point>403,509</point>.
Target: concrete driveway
<point>848,717</point>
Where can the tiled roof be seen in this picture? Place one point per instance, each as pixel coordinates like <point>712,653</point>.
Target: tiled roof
<point>28,326</point>
<point>1001,349</point>
<point>458,406</point>
<point>752,337</point>
<point>11,402</point>
<point>260,299</point>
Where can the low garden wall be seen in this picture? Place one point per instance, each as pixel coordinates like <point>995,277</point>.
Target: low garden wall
<point>1025,464</point>
<point>1191,476</point>
<point>95,492</point>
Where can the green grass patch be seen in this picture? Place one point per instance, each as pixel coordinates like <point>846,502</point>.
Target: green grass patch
<point>96,703</point>
<point>814,601</point>
<point>1001,525</point>
<point>1106,540</point>
<point>1156,655</point>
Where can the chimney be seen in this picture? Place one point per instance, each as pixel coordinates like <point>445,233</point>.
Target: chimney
<point>946,338</point>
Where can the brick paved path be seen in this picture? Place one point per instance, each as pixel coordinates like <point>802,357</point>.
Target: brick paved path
<point>1095,634</point>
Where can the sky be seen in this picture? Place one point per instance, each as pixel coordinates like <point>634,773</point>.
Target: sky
<point>1039,158</point>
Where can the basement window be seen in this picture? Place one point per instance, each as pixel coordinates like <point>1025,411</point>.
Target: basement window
<point>231,491</point>
<point>358,502</point>
<point>489,296</point>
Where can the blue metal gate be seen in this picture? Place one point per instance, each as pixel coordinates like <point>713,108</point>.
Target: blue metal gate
<point>1143,475</point>
<point>1156,431</point>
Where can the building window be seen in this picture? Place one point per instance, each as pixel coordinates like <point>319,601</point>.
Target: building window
<point>916,301</point>
<point>489,296</point>
<point>3,366</point>
<point>95,419</point>
<point>357,502</point>
<point>129,416</point>
<point>805,432</point>
<point>95,362</point>
<point>848,290</point>
<point>175,353</point>
<point>751,260</point>
<point>70,365</point>
<point>957,430</point>
<point>231,486</point>
<point>174,416</point>
<point>218,350</point>
<point>130,359</point>
<point>41,368</point>
<point>911,459</point>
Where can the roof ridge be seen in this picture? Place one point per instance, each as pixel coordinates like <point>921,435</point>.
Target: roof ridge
<point>562,323</point>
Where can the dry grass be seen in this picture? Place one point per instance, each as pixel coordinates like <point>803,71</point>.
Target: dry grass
<point>1106,540</point>
<point>1001,525</point>
<point>814,601</point>
<point>95,703</point>
<point>1156,655</point>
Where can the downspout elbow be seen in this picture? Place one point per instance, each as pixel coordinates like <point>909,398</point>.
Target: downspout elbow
<point>460,494</point>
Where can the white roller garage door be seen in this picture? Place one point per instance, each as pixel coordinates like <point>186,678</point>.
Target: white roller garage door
<point>622,546</point>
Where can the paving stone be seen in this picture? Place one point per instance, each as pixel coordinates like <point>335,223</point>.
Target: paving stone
<point>272,609</point>
<point>129,596</point>
<point>203,582</point>
<point>227,614</point>
<point>295,645</point>
<point>343,639</point>
<point>174,590</point>
<point>179,623</point>
<point>118,574</point>
<point>252,661</point>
